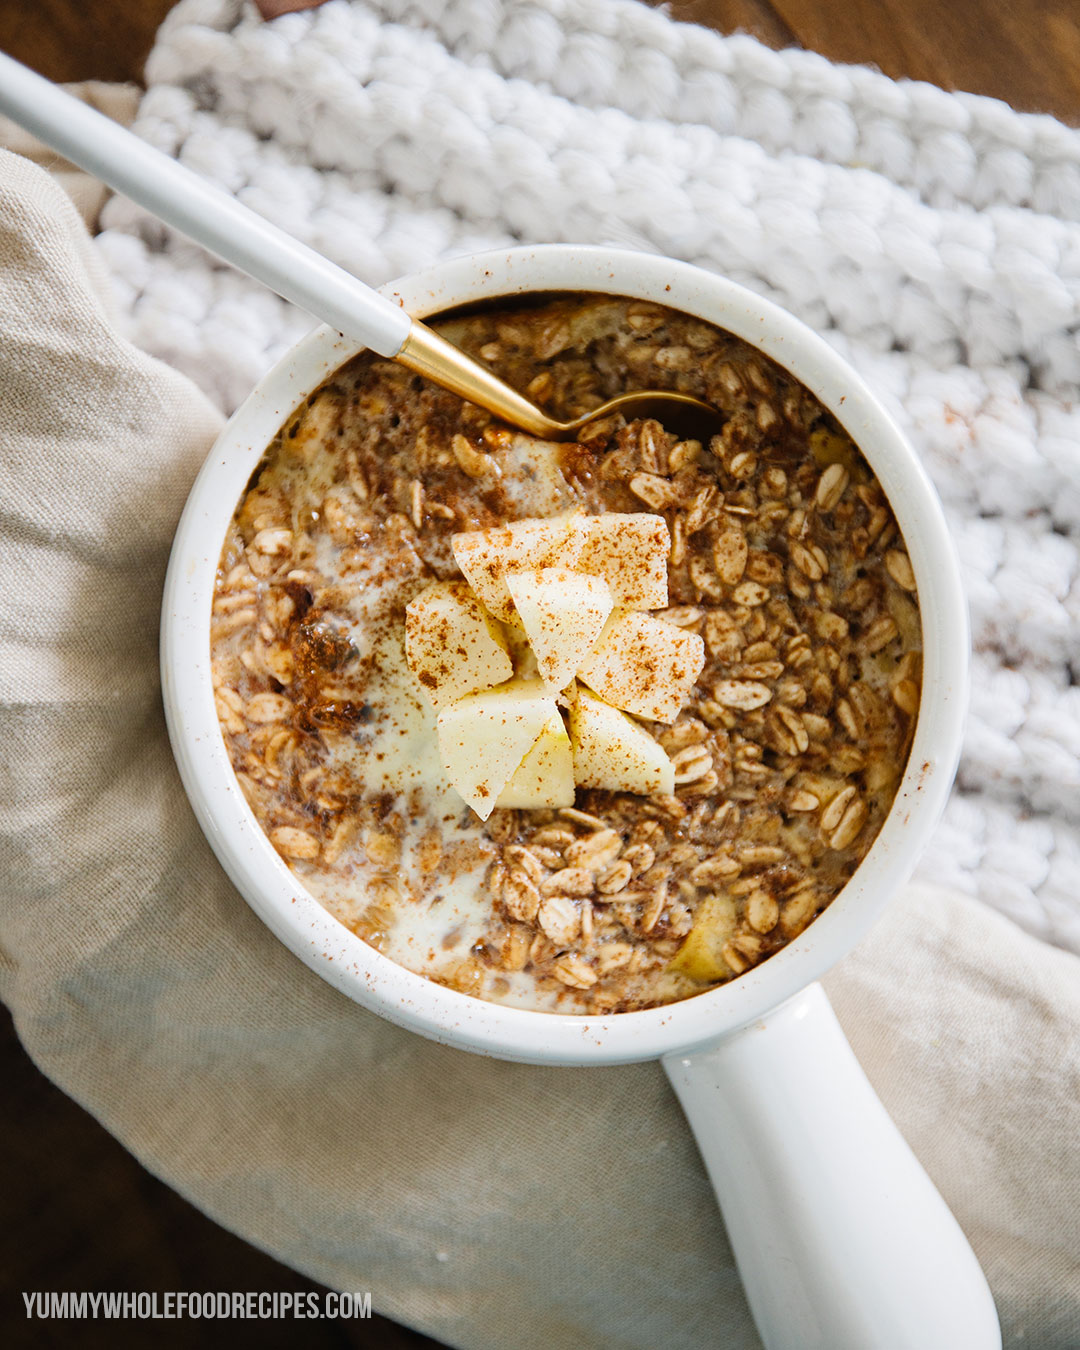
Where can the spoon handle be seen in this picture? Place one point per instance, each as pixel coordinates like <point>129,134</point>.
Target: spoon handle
<point>201,211</point>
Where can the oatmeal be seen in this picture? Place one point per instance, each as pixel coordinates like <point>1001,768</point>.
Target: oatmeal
<point>785,571</point>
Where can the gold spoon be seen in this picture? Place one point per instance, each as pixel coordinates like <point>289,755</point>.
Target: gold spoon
<point>233,232</point>
<point>440,361</point>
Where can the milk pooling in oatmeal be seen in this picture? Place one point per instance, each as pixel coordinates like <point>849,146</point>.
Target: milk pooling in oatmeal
<point>774,761</point>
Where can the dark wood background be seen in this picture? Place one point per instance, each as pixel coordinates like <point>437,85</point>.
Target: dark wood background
<point>1024,51</point>
<point>78,1212</point>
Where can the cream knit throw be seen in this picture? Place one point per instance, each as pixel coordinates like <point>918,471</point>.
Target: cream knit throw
<point>934,238</point>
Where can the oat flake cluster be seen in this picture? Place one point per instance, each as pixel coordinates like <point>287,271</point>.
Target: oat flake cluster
<point>785,572</point>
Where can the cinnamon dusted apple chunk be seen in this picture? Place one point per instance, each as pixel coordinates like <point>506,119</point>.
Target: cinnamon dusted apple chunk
<point>612,751</point>
<point>563,614</point>
<point>545,776</point>
<point>630,551</point>
<point>453,645</point>
<point>644,665</point>
<point>484,737</point>
<point>701,956</point>
<point>486,556</point>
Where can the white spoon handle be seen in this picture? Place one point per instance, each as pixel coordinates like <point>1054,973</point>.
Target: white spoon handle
<point>201,211</point>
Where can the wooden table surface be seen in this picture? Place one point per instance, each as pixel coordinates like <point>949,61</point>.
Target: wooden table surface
<point>80,1213</point>
<point>1026,52</point>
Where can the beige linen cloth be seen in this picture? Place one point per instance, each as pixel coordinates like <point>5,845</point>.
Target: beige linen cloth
<point>489,1204</point>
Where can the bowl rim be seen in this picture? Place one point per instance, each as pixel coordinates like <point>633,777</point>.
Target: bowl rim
<point>333,951</point>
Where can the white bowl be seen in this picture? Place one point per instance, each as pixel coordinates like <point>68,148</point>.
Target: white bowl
<point>841,1239</point>
<point>348,962</point>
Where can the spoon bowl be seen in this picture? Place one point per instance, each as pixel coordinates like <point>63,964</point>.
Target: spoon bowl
<point>683,414</point>
<point>432,356</point>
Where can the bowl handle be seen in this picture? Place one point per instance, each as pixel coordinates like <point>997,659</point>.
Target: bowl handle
<point>842,1240</point>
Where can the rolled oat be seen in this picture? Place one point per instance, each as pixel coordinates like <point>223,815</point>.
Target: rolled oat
<point>785,557</point>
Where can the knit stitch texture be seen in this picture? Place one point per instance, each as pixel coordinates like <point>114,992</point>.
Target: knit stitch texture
<point>933,238</point>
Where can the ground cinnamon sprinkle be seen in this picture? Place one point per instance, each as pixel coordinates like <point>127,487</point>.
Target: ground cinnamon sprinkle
<point>785,558</point>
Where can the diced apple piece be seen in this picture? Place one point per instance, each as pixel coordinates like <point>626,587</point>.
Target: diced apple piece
<point>563,613</point>
<point>630,551</point>
<point>453,646</point>
<point>611,751</point>
<point>485,556</point>
<point>522,655</point>
<point>644,665</point>
<point>484,737</point>
<point>701,955</point>
<point>545,776</point>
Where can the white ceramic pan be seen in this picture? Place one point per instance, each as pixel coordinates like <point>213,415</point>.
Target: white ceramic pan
<point>842,1241</point>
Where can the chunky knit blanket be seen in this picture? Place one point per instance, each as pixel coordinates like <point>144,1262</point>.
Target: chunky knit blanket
<point>933,238</point>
